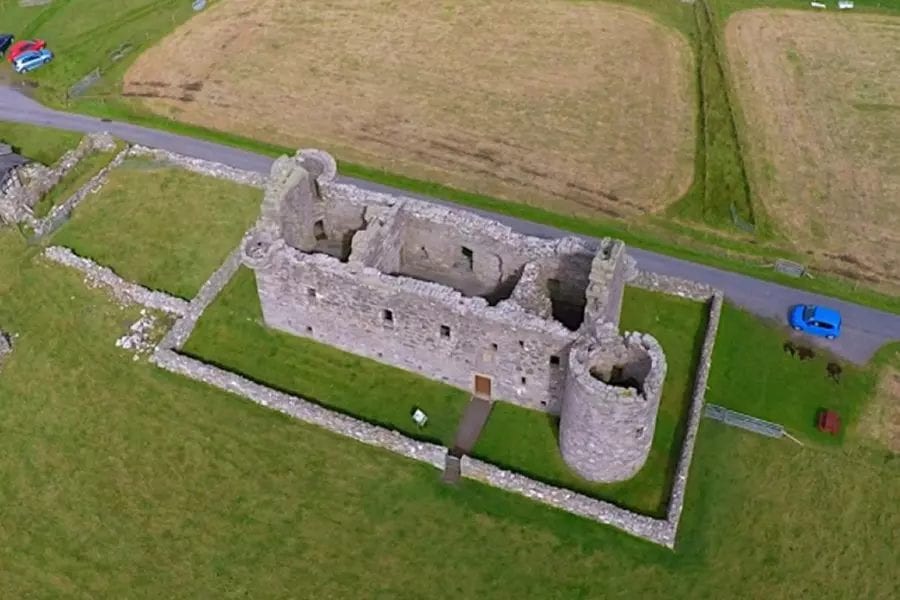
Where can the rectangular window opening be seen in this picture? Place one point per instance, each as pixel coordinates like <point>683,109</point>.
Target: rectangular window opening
<point>554,360</point>
<point>468,257</point>
<point>311,292</point>
<point>319,230</point>
<point>445,331</point>
<point>387,316</point>
<point>494,347</point>
<point>524,381</point>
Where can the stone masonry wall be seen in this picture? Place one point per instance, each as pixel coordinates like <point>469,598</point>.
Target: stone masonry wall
<point>344,304</point>
<point>124,291</point>
<point>606,427</point>
<point>654,530</point>
<point>16,203</point>
<point>660,531</point>
<point>676,286</point>
<point>698,399</point>
<point>62,212</point>
<point>201,167</point>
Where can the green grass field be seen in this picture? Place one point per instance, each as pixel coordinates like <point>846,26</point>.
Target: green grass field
<point>167,229</point>
<point>231,334</point>
<point>120,480</point>
<point>752,373</point>
<point>526,441</point>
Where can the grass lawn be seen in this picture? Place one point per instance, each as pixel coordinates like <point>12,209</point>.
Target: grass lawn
<point>40,144</point>
<point>120,480</point>
<point>526,441</point>
<point>231,334</point>
<point>165,228</point>
<point>752,373</point>
<point>80,174</point>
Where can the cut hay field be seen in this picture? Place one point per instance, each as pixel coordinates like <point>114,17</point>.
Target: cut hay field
<point>821,97</point>
<point>583,108</point>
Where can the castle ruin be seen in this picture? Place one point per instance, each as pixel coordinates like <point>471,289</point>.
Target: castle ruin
<point>464,300</point>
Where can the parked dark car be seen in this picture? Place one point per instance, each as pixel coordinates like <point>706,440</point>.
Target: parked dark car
<point>6,40</point>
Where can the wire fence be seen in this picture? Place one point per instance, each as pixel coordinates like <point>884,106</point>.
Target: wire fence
<point>742,421</point>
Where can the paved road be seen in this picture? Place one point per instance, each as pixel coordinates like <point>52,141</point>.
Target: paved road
<point>865,329</point>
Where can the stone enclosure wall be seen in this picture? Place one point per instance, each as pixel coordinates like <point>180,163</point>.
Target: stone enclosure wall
<point>640,367</point>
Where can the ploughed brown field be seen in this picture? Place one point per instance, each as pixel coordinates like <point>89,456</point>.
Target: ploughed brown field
<point>821,97</point>
<point>579,107</point>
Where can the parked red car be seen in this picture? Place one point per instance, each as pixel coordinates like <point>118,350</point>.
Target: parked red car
<point>24,46</point>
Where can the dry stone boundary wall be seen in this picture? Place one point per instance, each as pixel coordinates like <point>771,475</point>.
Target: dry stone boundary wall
<point>698,399</point>
<point>124,291</point>
<point>165,356</point>
<point>34,179</point>
<point>199,166</point>
<point>61,213</point>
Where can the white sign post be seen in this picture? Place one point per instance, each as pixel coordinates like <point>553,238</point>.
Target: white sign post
<point>420,418</point>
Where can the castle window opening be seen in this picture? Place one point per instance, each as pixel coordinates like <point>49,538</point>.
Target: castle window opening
<point>319,230</point>
<point>521,344</point>
<point>554,360</point>
<point>469,257</point>
<point>311,292</point>
<point>445,331</point>
<point>494,346</point>
<point>387,316</point>
<point>309,329</point>
<point>524,380</point>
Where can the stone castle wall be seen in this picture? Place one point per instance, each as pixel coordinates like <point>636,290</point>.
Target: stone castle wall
<point>431,329</point>
<point>612,395</point>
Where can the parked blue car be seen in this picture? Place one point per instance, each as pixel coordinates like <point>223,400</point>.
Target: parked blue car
<point>31,60</point>
<point>815,320</point>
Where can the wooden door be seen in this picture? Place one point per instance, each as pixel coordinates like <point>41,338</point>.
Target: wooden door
<point>483,386</point>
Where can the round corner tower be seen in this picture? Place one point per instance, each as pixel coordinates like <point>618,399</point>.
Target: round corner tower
<point>609,405</point>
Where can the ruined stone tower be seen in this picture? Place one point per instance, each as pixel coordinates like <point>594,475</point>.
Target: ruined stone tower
<point>464,300</point>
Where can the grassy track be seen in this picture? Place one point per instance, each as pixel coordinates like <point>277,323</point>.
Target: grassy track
<point>721,196</point>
